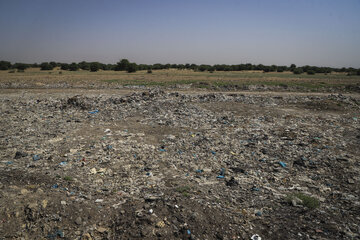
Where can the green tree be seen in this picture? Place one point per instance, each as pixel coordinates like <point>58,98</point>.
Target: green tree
<point>123,65</point>
<point>53,64</point>
<point>46,66</point>
<point>94,66</point>
<point>84,65</point>
<point>292,67</point>
<point>132,67</point>
<point>5,65</point>
<point>64,66</point>
<point>20,66</point>
<point>73,67</point>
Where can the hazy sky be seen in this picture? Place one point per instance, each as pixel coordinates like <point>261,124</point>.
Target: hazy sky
<point>314,32</point>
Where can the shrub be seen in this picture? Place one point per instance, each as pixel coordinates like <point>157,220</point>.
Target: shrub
<point>310,72</point>
<point>68,178</point>
<point>307,201</point>
<point>149,71</point>
<point>298,71</point>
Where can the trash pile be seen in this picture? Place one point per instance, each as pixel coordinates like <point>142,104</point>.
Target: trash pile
<point>170,165</point>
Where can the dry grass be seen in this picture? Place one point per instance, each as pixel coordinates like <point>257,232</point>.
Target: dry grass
<point>35,77</point>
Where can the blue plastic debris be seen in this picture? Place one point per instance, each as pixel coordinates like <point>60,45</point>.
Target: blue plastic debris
<point>93,112</point>
<point>258,214</point>
<point>63,163</point>
<point>109,147</point>
<point>55,186</point>
<point>213,153</point>
<point>36,157</point>
<point>282,164</point>
<point>179,152</point>
<point>57,233</point>
<point>134,155</point>
<point>9,162</point>
<point>199,170</point>
<point>188,232</point>
<point>162,150</point>
<point>355,118</point>
<point>255,189</point>
<point>222,173</point>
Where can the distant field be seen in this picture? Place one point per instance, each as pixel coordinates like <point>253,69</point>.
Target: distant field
<point>35,77</point>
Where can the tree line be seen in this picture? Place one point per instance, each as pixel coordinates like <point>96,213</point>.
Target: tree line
<point>126,65</point>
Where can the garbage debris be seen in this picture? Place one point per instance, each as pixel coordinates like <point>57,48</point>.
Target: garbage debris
<point>19,154</point>
<point>93,112</point>
<point>197,161</point>
<point>282,164</point>
<point>255,237</point>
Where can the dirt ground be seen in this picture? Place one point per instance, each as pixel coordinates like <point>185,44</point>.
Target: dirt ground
<point>178,164</point>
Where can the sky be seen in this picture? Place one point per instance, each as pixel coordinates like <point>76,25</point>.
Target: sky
<point>280,32</point>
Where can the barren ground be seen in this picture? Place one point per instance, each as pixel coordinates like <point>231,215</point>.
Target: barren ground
<point>178,164</point>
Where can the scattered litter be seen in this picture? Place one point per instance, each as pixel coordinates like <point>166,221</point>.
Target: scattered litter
<point>282,164</point>
<point>93,112</point>
<point>36,157</point>
<point>222,173</point>
<point>55,235</point>
<point>255,237</point>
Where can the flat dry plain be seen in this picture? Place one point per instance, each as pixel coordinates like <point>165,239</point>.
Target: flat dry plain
<point>169,78</point>
<point>223,155</point>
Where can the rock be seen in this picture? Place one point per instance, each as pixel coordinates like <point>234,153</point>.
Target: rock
<point>78,221</point>
<point>19,154</point>
<point>24,191</point>
<point>86,236</point>
<point>296,202</point>
<point>44,203</point>
<point>102,229</point>
<point>351,181</point>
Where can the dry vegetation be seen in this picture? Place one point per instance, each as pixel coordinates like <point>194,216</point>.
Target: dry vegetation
<point>36,78</point>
